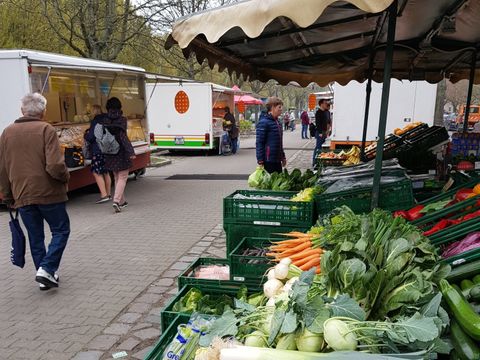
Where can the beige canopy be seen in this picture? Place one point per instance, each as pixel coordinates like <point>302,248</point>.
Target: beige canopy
<point>327,40</point>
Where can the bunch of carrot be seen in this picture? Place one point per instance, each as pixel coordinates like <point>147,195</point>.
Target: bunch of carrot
<point>301,248</point>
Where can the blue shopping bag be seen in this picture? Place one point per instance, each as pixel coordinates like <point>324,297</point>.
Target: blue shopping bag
<point>17,253</point>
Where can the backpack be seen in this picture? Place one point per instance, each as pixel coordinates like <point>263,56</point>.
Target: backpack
<point>106,141</point>
<point>312,128</point>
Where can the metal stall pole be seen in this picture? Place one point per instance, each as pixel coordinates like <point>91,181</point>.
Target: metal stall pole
<point>470,89</point>
<point>367,107</point>
<point>387,71</point>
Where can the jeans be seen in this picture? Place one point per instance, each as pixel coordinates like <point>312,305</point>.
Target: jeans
<point>304,131</point>
<point>121,178</point>
<point>318,147</point>
<point>57,219</point>
<point>234,145</point>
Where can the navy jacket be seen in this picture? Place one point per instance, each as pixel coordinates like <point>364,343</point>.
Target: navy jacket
<point>269,139</point>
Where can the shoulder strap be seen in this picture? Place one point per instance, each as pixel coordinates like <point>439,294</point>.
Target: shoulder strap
<point>11,214</point>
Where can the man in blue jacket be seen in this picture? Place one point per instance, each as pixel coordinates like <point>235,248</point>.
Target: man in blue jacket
<point>269,143</point>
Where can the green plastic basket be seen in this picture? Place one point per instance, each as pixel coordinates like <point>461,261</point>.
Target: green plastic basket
<point>166,338</point>
<point>464,271</point>
<point>267,212</point>
<point>394,196</point>
<point>452,211</point>
<point>450,193</point>
<point>453,233</point>
<point>167,315</point>
<point>236,232</point>
<point>187,277</point>
<point>248,268</point>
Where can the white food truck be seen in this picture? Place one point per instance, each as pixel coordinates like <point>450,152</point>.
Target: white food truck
<point>409,102</point>
<point>187,115</point>
<point>72,85</point>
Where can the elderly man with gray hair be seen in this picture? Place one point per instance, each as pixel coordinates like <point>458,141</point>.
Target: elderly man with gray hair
<point>33,179</point>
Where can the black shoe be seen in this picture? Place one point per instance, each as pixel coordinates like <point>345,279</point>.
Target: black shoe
<point>124,205</point>
<point>43,277</point>
<point>45,287</point>
<point>103,200</point>
<point>116,207</point>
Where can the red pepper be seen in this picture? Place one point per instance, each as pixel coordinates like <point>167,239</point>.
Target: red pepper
<point>463,194</point>
<point>401,213</point>
<point>414,213</point>
<point>442,224</point>
<point>471,215</point>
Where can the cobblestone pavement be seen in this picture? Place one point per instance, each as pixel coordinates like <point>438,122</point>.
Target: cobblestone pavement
<point>119,270</point>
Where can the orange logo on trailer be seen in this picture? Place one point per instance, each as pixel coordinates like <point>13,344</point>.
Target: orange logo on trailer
<point>241,106</point>
<point>312,101</point>
<point>182,103</point>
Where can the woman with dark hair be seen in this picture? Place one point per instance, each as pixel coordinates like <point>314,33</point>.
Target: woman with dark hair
<point>119,163</point>
<point>100,173</point>
<point>269,144</point>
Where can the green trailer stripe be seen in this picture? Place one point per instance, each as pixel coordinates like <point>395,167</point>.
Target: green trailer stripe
<point>171,143</point>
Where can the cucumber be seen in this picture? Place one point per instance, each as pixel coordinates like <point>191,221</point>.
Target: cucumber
<point>466,284</point>
<point>475,293</point>
<point>464,346</point>
<point>466,317</point>
<point>476,279</point>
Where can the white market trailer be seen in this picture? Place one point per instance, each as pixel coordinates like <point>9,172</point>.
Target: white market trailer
<point>187,115</point>
<point>409,102</point>
<point>71,86</point>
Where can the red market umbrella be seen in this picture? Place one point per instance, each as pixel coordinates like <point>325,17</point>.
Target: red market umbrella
<point>246,99</point>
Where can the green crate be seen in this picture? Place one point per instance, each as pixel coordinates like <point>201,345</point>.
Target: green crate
<point>187,277</point>
<point>166,338</point>
<point>455,232</point>
<point>464,271</point>
<point>267,212</point>
<point>452,211</point>
<point>236,232</point>
<point>167,315</point>
<point>241,266</point>
<point>450,193</point>
<point>394,196</point>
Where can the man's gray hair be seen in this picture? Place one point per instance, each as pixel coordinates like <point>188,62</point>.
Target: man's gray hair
<point>34,104</point>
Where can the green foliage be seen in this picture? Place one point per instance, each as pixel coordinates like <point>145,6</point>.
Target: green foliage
<point>245,126</point>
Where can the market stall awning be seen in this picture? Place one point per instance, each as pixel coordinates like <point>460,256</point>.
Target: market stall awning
<point>245,98</point>
<point>326,40</point>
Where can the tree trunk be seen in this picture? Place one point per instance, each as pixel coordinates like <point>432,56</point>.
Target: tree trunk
<point>440,102</point>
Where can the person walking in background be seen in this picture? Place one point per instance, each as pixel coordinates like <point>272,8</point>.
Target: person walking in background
<point>269,142</point>
<point>233,129</point>
<point>119,163</point>
<point>322,125</point>
<point>100,173</point>
<point>286,121</point>
<point>305,122</point>
<point>34,180</point>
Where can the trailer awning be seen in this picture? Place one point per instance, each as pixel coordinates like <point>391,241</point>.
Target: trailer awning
<point>327,40</point>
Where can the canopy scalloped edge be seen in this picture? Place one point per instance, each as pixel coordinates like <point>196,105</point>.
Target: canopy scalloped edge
<point>253,16</point>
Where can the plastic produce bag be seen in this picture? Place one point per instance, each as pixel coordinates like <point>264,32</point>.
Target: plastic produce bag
<point>257,177</point>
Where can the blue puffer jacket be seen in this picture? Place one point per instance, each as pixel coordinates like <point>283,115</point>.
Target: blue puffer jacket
<point>269,140</point>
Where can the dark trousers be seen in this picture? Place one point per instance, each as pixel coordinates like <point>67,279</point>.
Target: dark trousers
<point>56,216</point>
<point>318,147</point>
<point>272,167</point>
<point>234,145</point>
<point>304,131</point>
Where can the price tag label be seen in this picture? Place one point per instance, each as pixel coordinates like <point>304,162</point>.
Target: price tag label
<point>477,165</point>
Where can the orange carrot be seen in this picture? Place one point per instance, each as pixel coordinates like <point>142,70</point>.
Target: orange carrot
<point>305,253</point>
<point>300,262</point>
<point>318,270</point>
<point>296,249</point>
<point>294,234</point>
<point>288,243</point>
<point>310,264</point>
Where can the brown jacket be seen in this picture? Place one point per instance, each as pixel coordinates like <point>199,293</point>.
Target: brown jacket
<point>32,166</point>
